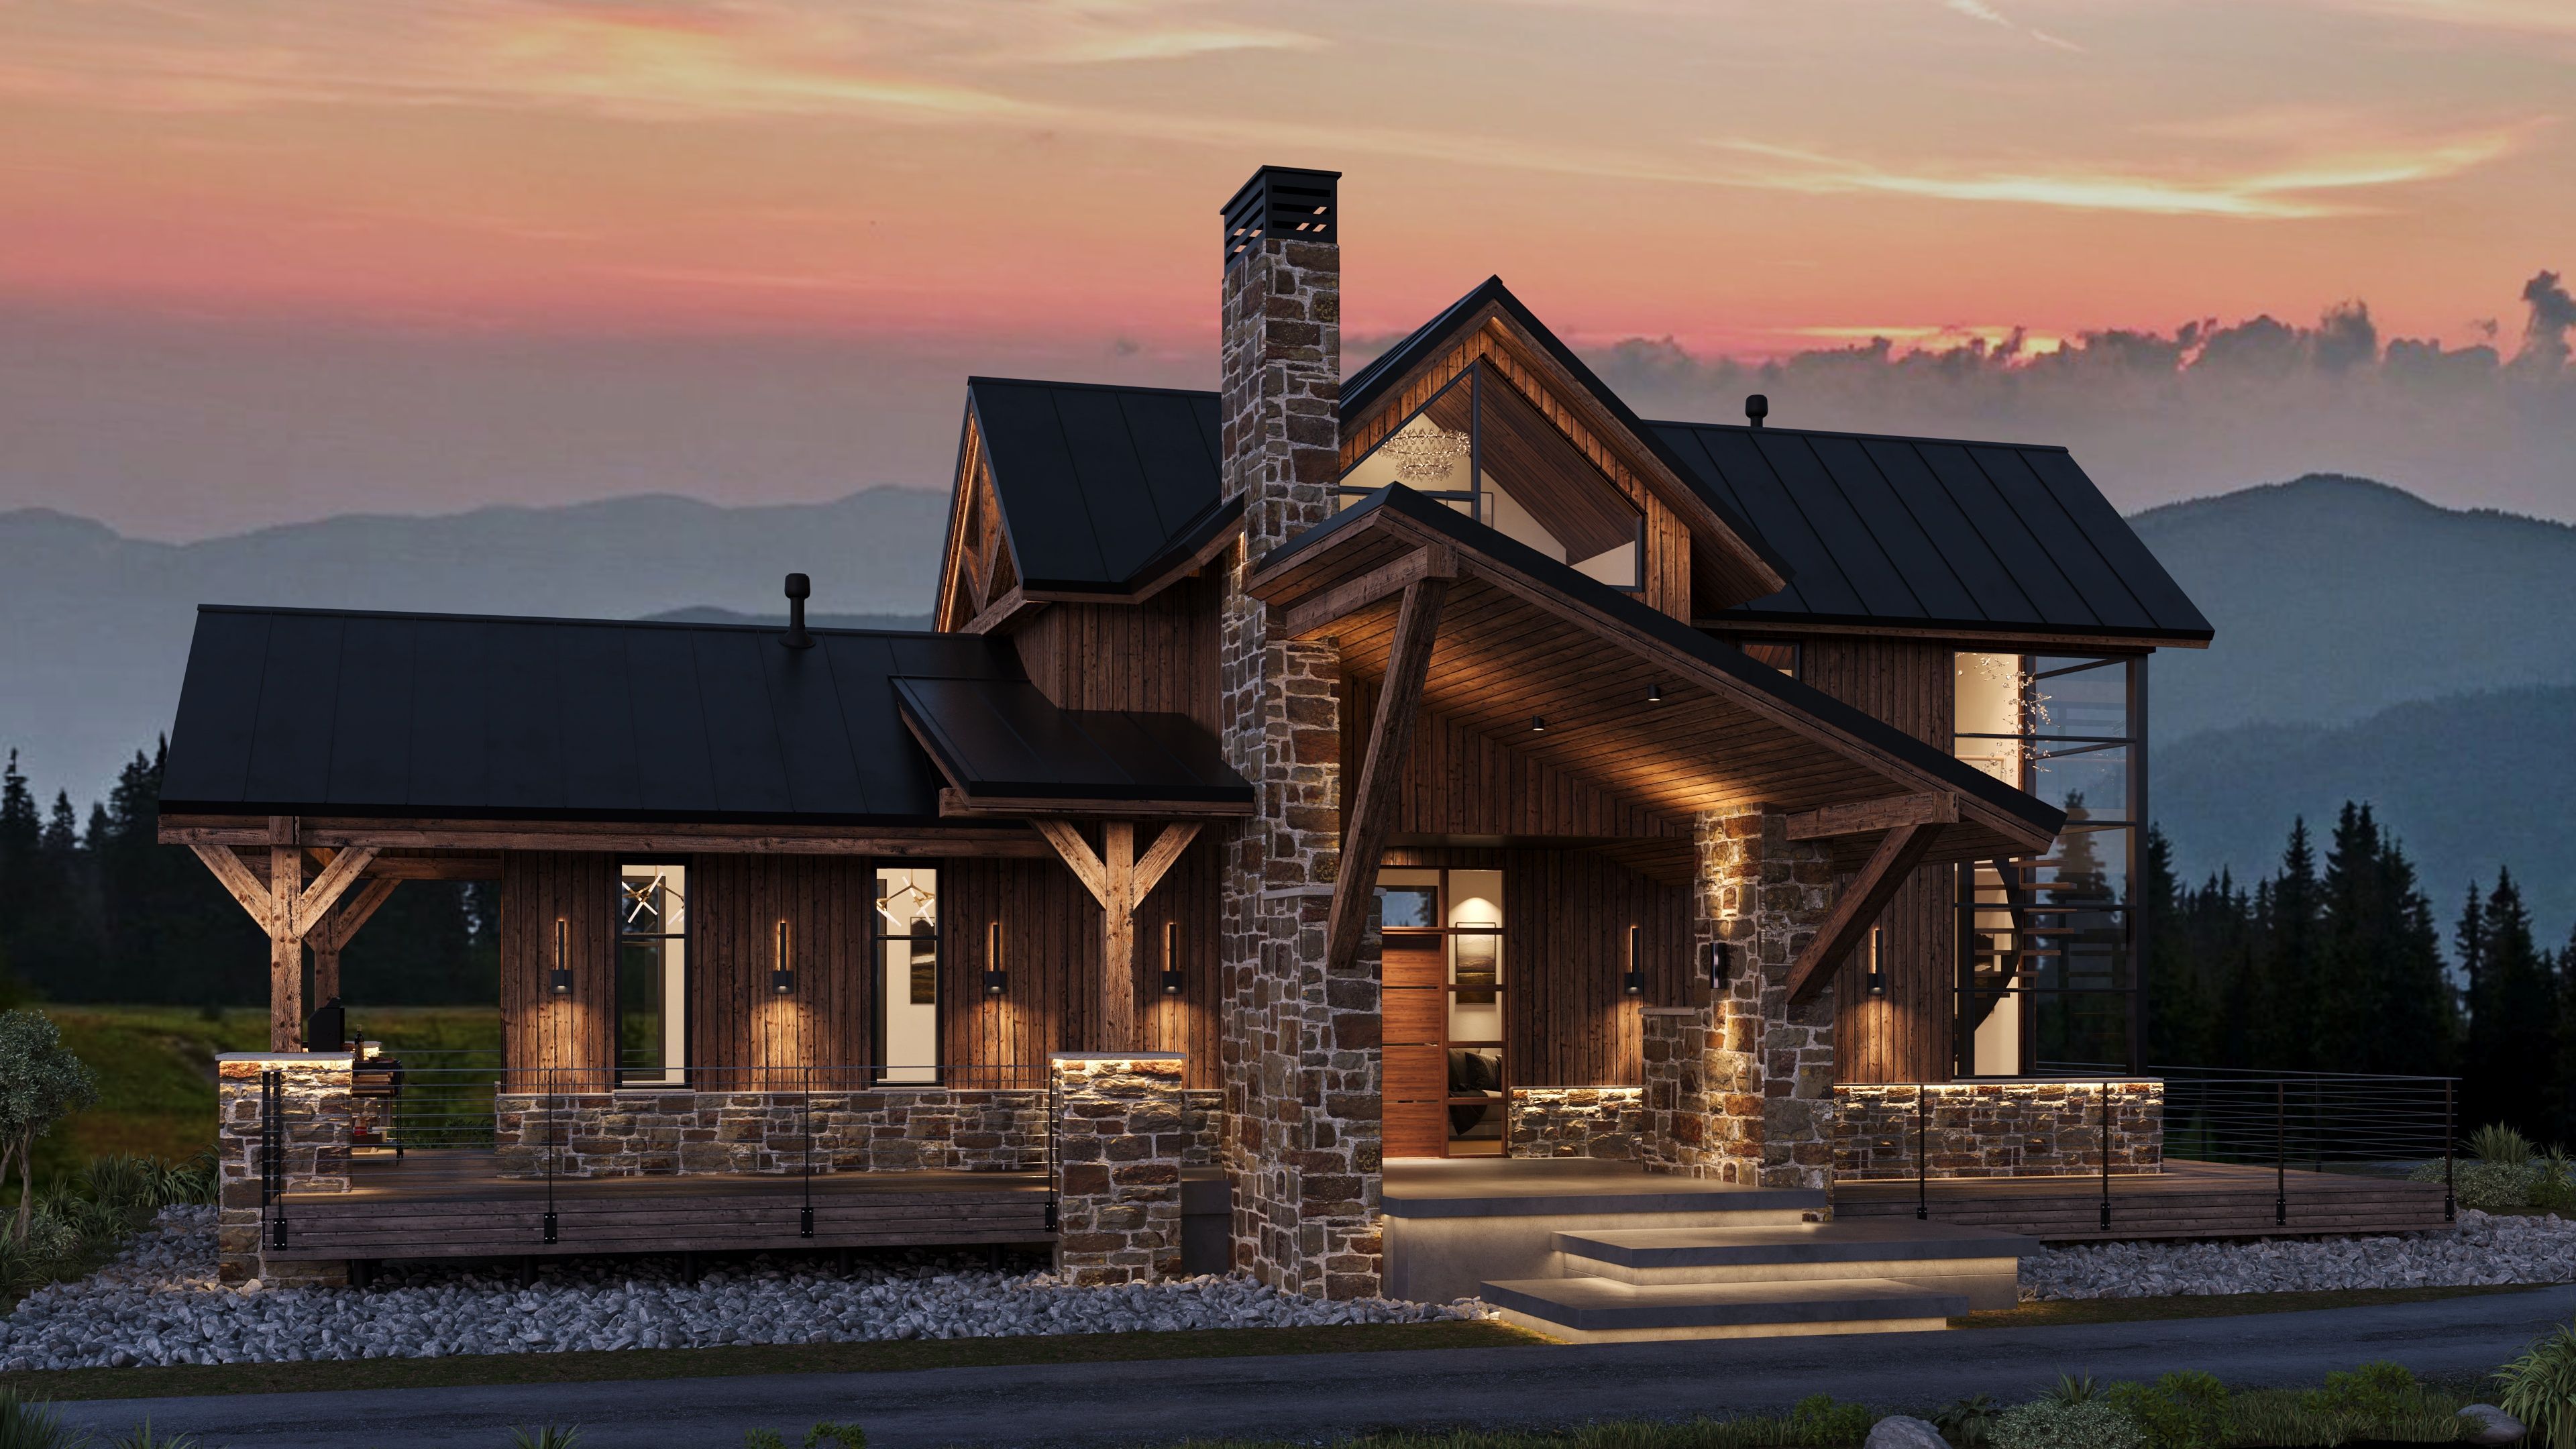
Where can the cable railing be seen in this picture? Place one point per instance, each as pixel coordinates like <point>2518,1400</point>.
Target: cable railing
<point>2312,1120</point>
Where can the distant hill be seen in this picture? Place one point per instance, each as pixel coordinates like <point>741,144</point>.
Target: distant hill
<point>2466,782</point>
<point>2336,598</point>
<point>97,624</point>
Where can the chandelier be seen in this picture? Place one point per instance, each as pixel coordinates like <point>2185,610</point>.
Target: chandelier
<point>1425,452</point>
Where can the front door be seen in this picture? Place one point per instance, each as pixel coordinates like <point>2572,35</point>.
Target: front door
<point>1442,1024</point>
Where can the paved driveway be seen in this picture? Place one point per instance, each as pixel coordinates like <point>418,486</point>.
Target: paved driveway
<point>1322,1395</point>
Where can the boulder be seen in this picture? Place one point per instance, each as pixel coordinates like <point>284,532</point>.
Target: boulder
<point>2495,1426</point>
<point>1896,1431</point>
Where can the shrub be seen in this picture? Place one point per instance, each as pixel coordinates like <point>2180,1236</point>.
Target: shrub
<point>1819,1420</point>
<point>2072,1389</point>
<point>41,1082</point>
<point>550,1436</point>
<point>846,1436</point>
<point>2552,1189</point>
<point>2094,1423</point>
<point>2540,1389</point>
<point>29,1424</point>
<point>2185,1409</point>
<point>144,1438</point>
<point>762,1439</point>
<point>1968,1423</point>
<point>2497,1143</point>
<point>2486,1186</point>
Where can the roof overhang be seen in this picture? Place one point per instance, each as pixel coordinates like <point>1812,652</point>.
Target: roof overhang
<point>1525,640</point>
<point>1005,749</point>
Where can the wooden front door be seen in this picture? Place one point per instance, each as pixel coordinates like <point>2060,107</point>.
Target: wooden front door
<point>1415,1033</point>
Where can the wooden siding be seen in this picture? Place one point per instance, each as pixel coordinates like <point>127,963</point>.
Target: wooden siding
<point>540,1031</point>
<point>735,1019</point>
<point>1906,1035</point>
<point>1458,781</point>
<point>1160,654</point>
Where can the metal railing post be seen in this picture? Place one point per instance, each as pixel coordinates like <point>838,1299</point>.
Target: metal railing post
<point>550,1083</point>
<point>1054,1216</point>
<point>2450,1134</point>
<point>272,1154</point>
<point>805,1214</point>
<point>2106,1157</point>
<point>2280,1154</point>
<point>1922,1170</point>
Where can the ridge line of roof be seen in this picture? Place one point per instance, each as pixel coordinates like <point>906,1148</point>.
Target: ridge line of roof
<point>1872,437</point>
<point>451,616</point>
<point>973,378</point>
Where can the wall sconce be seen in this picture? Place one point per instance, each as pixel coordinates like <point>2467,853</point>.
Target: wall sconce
<point>996,977</point>
<point>1654,694</point>
<point>1635,985</point>
<point>782,971</point>
<point>1721,963</point>
<point>1171,958</point>
<point>559,981</point>
<point>1538,724</point>
<point>1877,951</point>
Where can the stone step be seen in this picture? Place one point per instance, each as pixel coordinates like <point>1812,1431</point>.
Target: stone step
<point>1978,1263</point>
<point>1603,1310</point>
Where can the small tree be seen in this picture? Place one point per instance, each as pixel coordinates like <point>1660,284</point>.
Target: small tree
<point>41,1082</point>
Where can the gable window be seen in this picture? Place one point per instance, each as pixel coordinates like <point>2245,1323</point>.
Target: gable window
<point>652,973</point>
<point>907,952</point>
<point>2049,945</point>
<point>1484,449</point>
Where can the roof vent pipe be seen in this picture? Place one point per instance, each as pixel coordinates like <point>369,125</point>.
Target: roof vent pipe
<point>799,589</point>
<point>1756,408</point>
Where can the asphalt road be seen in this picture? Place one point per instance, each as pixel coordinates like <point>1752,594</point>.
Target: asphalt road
<point>1319,1396</point>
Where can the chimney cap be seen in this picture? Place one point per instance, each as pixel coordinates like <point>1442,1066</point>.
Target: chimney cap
<point>1291,202</point>
<point>1756,408</point>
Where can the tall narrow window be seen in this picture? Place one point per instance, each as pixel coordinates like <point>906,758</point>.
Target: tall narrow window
<point>652,974</point>
<point>907,950</point>
<point>2048,980</point>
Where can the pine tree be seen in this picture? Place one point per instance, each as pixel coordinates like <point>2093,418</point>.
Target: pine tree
<point>2514,1082</point>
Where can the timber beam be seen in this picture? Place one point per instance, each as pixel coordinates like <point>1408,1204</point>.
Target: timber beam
<point>1317,614</point>
<point>1371,813</point>
<point>1860,817</point>
<point>955,804</point>
<point>1119,880</point>
<point>1858,905</point>
<point>287,910</point>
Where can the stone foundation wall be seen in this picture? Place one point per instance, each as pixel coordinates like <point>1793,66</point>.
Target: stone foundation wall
<point>1998,1129</point>
<point>318,1111</point>
<point>1604,1123</point>
<point>1203,1126</point>
<point>1122,1141</point>
<point>888,1129</point>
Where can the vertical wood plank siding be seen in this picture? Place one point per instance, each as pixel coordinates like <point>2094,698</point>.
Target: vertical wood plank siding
<point>1459,782</point>
<point>737,1023</point>
<point>565,1043</point>
<point>1906,1035</point>
<point>1157,655</point>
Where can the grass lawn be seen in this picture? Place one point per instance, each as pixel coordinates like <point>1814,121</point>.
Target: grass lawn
<point>2211,1305</point>
<point>821,1358</point>
<point>156,1070</point>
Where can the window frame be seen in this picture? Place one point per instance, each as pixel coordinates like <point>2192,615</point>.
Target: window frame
<point>666,1075</point>
<point>880,1071</point>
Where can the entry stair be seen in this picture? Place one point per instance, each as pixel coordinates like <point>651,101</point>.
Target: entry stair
<point>1592,1254</point>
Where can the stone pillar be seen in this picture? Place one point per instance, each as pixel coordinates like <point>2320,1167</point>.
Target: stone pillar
<point>1300,1050</point>
<point>1740,1084</point>
<point>1121,1137</point>
<point>317,1113</point>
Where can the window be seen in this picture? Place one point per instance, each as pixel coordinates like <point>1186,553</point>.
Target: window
<point>1482,448</point>
<point>1444,950</point>
<point>1779,654</point>
<point>652,973</point>
<point>2048,981</point>
<point>907,951</point>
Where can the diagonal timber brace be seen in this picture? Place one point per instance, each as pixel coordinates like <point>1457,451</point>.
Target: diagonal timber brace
<point>1858,906</point>
<point>1371,814</point>
<point>1119,881</point>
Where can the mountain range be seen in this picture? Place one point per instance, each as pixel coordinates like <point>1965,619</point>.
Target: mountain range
<point>2370,645</point>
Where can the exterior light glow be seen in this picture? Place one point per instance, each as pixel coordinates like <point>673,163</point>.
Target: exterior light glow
<point>997,977</point>
<point>1171,958</point>
<point>1877,961</point>
<point>782,971</point>
<point>560,979</point>
<point>1635,985</point>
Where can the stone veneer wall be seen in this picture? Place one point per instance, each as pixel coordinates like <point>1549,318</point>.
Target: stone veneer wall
<point>1998,1129</point>
<point>318,1112</point>
<point>1739,1085</point>
<point>1122,1142</point>
<point>1604,1123</point>
<point>1303,1143</point>
<point>886,1129</point>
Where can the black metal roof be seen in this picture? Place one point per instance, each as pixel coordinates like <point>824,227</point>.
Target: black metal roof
<point>1955,773</point>
<point>1002,738</point>
<point>1100,487</point>
<point>1919,531</point>
<point>317,712</point>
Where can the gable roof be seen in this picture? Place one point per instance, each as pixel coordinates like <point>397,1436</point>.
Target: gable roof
<point>1100,487</point>
<point>320,712</point>
<point>1925,532</point>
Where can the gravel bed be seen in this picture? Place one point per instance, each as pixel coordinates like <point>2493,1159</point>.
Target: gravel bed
<point>2486,1249</point>
<point>159,1303</point>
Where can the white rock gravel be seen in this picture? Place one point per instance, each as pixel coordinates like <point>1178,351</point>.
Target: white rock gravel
<point>160,1304</point>
<point>2486,1249</point>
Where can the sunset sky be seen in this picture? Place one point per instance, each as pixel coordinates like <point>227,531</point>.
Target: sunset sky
<point>272,259</point>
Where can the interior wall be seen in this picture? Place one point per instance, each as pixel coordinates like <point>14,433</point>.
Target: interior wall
<point>570,1038</point>
<point>1906,1035</point>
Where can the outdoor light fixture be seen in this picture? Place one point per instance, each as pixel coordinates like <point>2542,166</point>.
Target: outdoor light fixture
<point>1654,694</point>
<point>1721,963</point>
<point>1635,985</point>
<point>1538,724</point>
<point>560,980</point>
<point>1877,951</point>
<point>782,974</point>
<point>1171,958</point>
<point>996,979</point>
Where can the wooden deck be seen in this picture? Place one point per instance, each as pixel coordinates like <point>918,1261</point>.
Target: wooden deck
<point>450,1205</point>
<point>2186,1200</point>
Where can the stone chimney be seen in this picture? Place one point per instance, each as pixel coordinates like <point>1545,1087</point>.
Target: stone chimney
<point>1300,1050</point>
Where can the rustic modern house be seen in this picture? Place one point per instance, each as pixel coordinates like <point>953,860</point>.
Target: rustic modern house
<point>1329,815</point>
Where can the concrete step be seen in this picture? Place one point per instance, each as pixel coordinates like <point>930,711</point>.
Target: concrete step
<point>1604,1310</point>
<point>1978,1263</point>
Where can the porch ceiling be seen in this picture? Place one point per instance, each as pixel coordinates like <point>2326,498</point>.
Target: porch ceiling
<point>1523,639</point>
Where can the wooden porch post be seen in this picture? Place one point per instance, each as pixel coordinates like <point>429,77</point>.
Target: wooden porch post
<point>1119,882</point>
<point>288,910</point>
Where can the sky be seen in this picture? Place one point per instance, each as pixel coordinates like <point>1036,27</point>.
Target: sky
<point>270,260</point>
